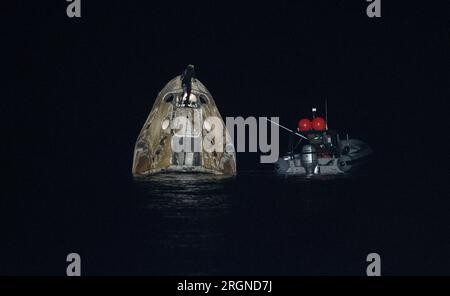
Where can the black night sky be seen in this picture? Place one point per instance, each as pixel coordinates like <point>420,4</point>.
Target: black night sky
<point>80,90</point>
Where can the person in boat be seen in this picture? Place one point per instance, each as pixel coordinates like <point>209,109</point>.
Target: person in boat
<point>186,82</point>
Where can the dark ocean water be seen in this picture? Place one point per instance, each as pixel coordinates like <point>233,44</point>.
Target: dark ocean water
<point>253,224</point>
<point>80,91</point>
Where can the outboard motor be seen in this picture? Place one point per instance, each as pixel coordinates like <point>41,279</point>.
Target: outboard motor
<point>309,159</point>
<point>344,163</point>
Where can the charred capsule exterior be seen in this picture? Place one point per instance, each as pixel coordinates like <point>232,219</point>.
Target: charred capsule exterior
<point>153,151</point>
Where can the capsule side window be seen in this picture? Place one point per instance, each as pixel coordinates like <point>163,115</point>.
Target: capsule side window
<point>169,98</point>
<point>203,99</point>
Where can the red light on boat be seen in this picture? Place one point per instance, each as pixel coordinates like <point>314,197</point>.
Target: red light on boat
<point>304,125</point>
<point>319,124</point>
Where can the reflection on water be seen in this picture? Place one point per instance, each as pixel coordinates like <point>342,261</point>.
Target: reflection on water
<point>179,193</point>
<point>261,224</point>
<point>255,222</point>
<point>189,211</point>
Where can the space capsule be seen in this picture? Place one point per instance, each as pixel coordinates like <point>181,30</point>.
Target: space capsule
<point>174,134</point>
